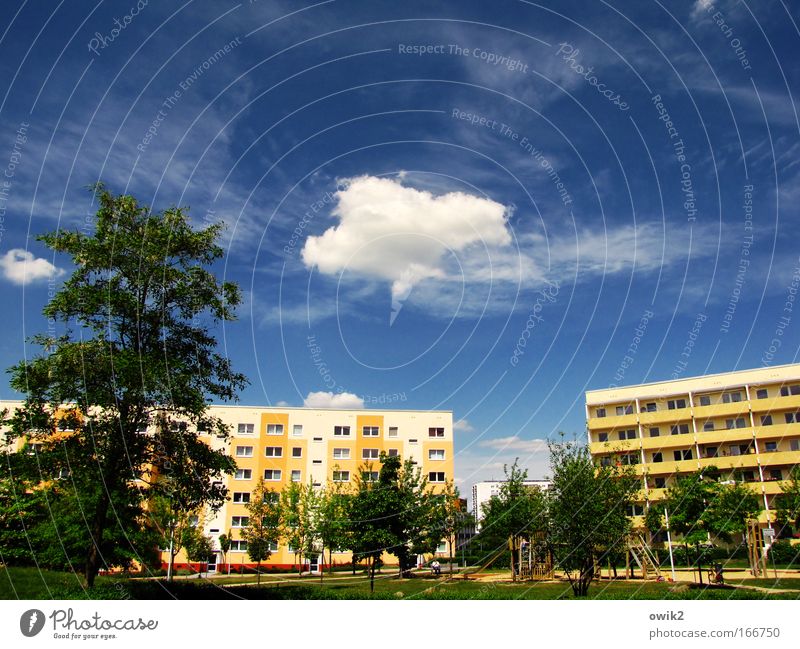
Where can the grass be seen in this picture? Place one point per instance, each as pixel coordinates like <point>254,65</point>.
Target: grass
<point>30,583</point>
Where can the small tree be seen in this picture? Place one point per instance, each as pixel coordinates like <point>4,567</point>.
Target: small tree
<point>224,548</point>
<point>452,513</point>
<point>332,521</point>
<point>788,502</point>
<point>263,525</point>
<point>586,510</point>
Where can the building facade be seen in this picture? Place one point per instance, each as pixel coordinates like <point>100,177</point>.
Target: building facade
<point>482,492</point>
<point>745,423</point>
<point>321,446</point>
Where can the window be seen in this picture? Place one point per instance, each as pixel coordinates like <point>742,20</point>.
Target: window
<point>731,397</point>
<point>244,451</point>
<point>341,431</point>
<point>271,497</point>
<point>712,451</point>
<point>241,497</point>
<point>142,428</point>
<point>240,521</point>
<point>775,474</point>
<point>791,417</point>
<point>735,450</point>
<point>762,394</point>
<point>296,475</point>
<point>369,453</point>
<point>243,474</point>
<point>194,520</point>
<point>630,458</point>
<point>273,451</point>
<point>654,432</point>
<point>634,510</point>
<point>393,452</point>
<point>297,430</point>
<point>238,546</point>
<point>369,431</point>
<point>766,420</point>
<point>317,439</point>
<point>63,473</point>
<point>650,407</point>
<point>660,483</point>
<point>786,390</point>
<point>274,429</point>
<point>245,429</point>
<point>341,454</point>
<point>412,441</point>
<point>600,412</point>
<point>685,454</point>
<point>705,400</point>
<point>657,457</point>
<point>392,431</point>
<point>297,451</point>
<point>794,445</point>
<point>748,476</point>
<point>436,432</point>
<point>369,476</point>
<point>436,454</point>
<point>627,434</point>
<point>602,437</point>
<point>605,461</point>
<point>341,476</point>
<point>436,476</point>
<point>624,410</point>
<point>316,461</point>
<point>734,423</point>
<point>272,474</point>
<point>676,404</point>
<point>708,425</point>
<point>770,447</point>
<point>273,546</point>
<point>679,429</point>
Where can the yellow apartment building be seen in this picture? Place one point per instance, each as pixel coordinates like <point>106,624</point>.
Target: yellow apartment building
<point>284,445</point>
<point>746,423</point>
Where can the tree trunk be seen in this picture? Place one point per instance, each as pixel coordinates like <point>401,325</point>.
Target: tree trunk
<point>699,567</point>
<point>450,542</point>
<point>258,572</point>
<point>330,560</point>
<point>513,562</point>
<point>98,528</point>
<point>372,575</point>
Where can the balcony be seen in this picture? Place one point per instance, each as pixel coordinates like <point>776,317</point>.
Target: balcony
<point>748,461</point>
<point>773,487</point>
<point>778,430</point>
<point>664,441</point>
<point>665,417</point>
<point>721,410</point>
<point>614,446</point>
<point>614,421</point>
<point>656,494</point>
<point>776,403</point>
<point>780,458</point>
<point>682,466</point>
<point>726,435</point>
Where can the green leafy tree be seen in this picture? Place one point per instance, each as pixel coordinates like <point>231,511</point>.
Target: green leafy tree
<point>172,524</point>
<point>263,525</point>
<point>513,514</point>
<point>586,510</point>
<point>197,545</point>
<point>788,502</point>
<point>297,508</point>
<point>138,314</point>
<point>224,548</point>
<point>332,522</point>
<point>454,517</point>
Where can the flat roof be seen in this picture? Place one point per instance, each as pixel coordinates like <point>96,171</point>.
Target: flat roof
<point>707,382</point>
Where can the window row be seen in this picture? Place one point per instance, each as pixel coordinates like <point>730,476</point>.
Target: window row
<point>338,431</point>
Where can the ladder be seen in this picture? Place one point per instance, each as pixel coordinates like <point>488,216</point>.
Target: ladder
<point>643,556</point>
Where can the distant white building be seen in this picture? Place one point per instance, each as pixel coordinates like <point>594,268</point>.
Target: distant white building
<point>483,491</point>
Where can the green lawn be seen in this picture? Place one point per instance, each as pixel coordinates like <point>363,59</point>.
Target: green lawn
<point>30,583</point>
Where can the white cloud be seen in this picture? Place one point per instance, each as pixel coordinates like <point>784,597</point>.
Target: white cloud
<point>462,425</point>
<point>282,404</point>
<point>403,235</point>
<point>22,267</point>
<point>700,8</point>
<point>517,444</point>
<point>343,400</point>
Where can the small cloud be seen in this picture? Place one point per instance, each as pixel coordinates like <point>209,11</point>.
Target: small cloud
<point>343,400</point>
<point>22,267</point>
<point>462,425</point>
<point>516,443</point>
<point>282,404</point>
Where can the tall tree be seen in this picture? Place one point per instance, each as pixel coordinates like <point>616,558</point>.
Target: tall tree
<point>454,517</point>
<point>138,314</point>
<point>516,512</point>
<point>586,510</point>
<point>332,522</point>
<point>263,525</point>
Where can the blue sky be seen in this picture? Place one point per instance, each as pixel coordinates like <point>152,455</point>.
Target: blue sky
<point>483,207</point>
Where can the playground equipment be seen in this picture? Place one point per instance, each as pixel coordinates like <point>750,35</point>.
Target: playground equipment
<point>535,560</point>
<point>638,553</point>
<point>756,549</point>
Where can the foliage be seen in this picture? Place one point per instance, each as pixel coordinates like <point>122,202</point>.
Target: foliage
<point>137,349</point>
<point>586,510</point>
<point>783,552</point>
<point>263,525</point>
<point>788,502</point>
<point>332,523</point>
